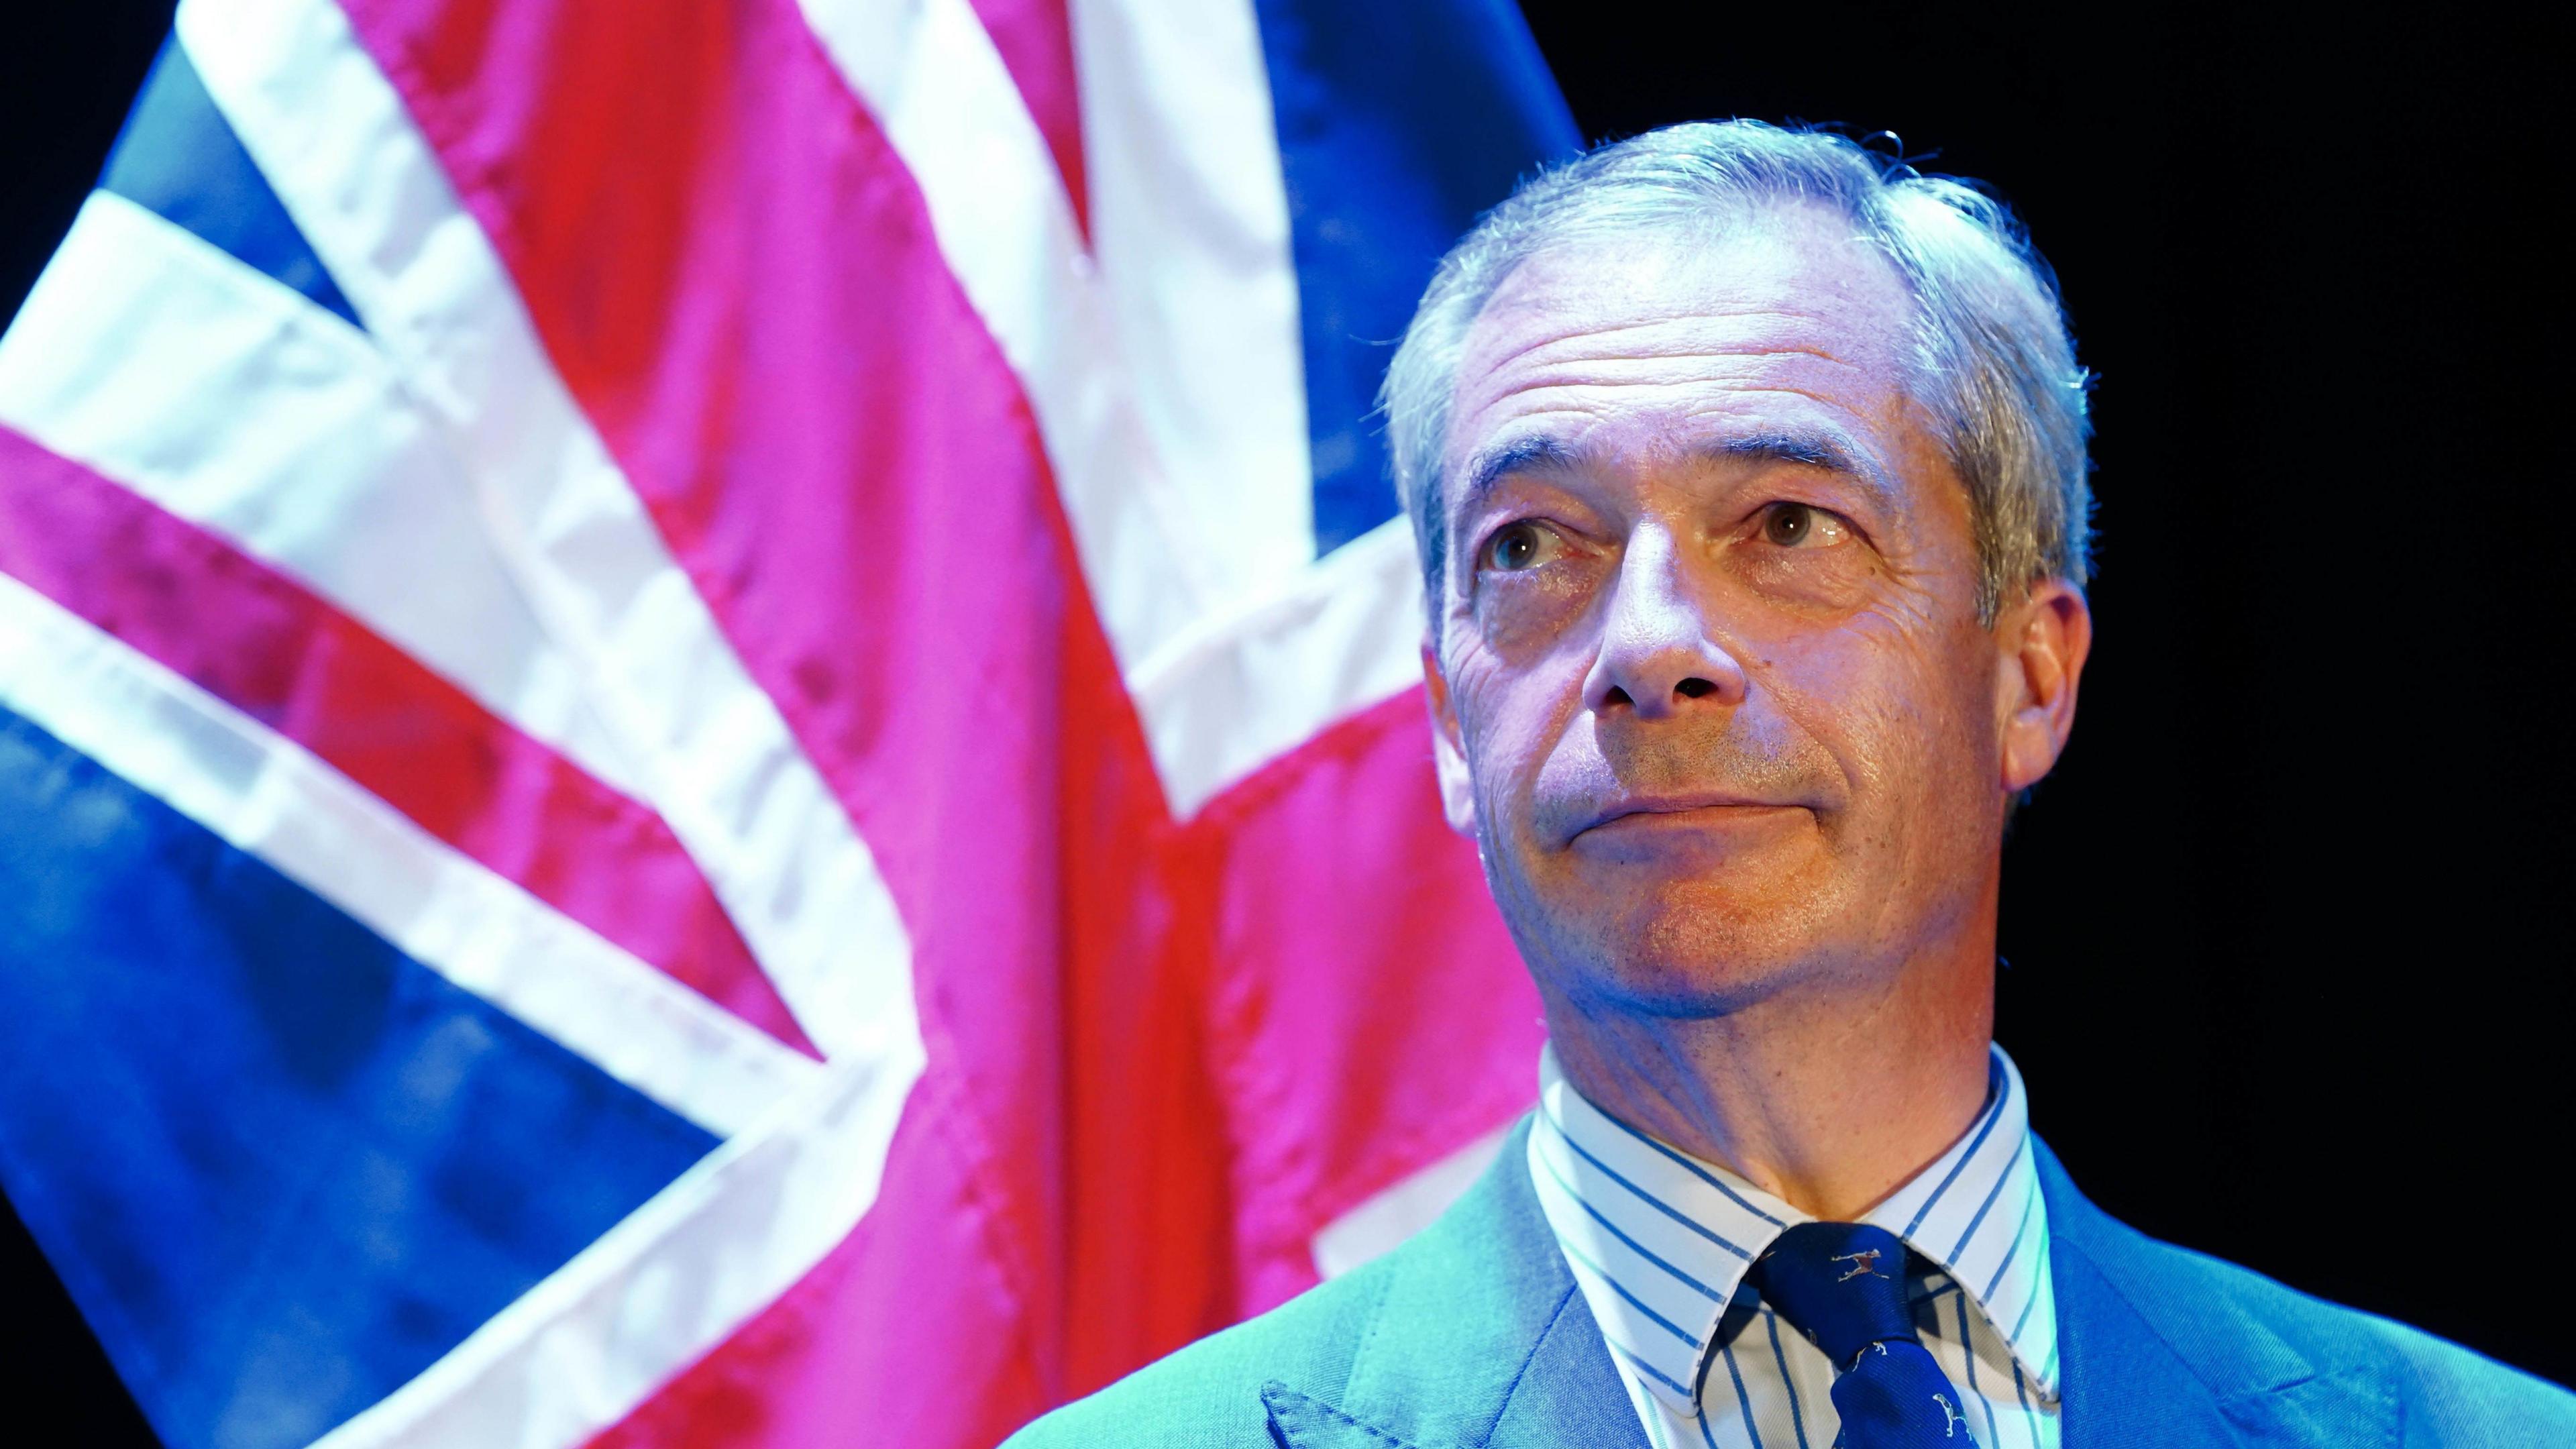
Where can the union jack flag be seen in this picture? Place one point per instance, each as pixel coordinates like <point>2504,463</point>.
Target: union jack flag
<point>709,720</point>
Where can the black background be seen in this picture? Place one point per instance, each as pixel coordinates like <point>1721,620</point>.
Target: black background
<point>2288,975</point>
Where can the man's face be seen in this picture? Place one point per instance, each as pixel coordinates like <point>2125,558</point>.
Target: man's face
<point>1710,683</point>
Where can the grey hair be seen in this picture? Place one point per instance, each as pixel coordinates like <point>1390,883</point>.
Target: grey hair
<point>1993,363</point>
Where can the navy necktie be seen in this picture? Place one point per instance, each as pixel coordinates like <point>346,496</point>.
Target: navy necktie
<point>1843,1285</point>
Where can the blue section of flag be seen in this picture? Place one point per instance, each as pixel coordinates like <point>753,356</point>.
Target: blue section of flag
<point>1398,126</point>
<point>281,1166</point>
<point>179,157</point>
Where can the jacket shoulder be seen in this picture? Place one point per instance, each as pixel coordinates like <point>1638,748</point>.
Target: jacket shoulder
<point>1209,1395</point>
<point>2456,1396</point>
<point>2424,1390</point>
<point>2447,1394</point>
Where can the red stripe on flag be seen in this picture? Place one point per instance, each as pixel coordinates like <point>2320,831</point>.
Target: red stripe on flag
<point>269,647</point>
<point>1369,1039</point>
<point>1035,38</point>
<point>738,280</point>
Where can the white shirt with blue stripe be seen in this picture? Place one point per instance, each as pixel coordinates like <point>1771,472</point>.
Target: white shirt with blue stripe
<point>1659,1241</point>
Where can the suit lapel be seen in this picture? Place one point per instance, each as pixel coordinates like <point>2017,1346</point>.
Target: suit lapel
<point>2122,1383</point>
<point>1478,1339</point>
<point>1570,1393</point>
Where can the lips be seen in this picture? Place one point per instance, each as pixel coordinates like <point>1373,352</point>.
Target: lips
<point>1642,808</point>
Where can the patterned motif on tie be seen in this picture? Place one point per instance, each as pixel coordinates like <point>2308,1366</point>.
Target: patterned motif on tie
<point>1843,1285</point>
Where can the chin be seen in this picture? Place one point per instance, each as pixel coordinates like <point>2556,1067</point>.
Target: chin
<point>1699,949</point>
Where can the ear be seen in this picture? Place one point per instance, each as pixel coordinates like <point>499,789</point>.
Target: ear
<point>2044,640</point>
<point>1448,748</point>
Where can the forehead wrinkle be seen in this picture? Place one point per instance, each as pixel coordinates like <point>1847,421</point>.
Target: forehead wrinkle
<point>1539,446</point>
<point>1603,374</point>
<point>1659,340</point>
<point>1767,370</point>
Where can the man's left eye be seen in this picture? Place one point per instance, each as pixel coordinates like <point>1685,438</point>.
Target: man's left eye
<point>1800,525</point>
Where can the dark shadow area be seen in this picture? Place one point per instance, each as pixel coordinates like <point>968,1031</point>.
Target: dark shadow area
<point>49,1363</point>
<point>66,76</point>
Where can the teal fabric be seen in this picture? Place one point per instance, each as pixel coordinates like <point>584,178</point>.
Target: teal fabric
<point>1473,1335</point>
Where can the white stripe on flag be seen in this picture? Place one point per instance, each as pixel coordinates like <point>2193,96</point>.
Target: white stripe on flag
<point>234,402</point>
<point>930,75</point>
<point>583,1349</point>
<point>1189,218</point>
<point>717,760</point>
<point>1227,698</point>
<point>267,796</point>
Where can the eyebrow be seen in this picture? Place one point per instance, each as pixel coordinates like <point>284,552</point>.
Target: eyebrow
<point>1521,455</point>
<point>1825,448</point>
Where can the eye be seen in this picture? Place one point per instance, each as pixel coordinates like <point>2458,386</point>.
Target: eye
<point>1800,525</point>
<point>1517,547</point>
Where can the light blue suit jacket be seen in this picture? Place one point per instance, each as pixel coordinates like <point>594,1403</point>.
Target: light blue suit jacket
<point>1473,1334</point>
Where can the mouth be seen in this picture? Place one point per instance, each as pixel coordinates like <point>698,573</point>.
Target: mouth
<point>1683,812</point>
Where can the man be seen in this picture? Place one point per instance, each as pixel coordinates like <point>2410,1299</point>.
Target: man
<point>1749,475</point>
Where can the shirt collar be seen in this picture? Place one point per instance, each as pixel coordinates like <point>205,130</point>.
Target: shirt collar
<point>1660,1240</point>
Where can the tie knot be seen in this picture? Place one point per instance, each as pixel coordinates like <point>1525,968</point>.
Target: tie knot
<point>1842,1284</point>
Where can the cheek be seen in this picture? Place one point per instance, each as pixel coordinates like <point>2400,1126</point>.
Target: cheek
<point>1513,715</point>
<point>1906,717</point>
<point>1481,690</point>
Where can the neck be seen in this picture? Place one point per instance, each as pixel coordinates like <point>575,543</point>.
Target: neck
<point>1828,1097</point>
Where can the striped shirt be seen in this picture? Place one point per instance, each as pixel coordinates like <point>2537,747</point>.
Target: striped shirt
<point>1659,1242</point>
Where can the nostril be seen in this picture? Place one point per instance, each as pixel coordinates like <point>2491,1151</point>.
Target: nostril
<point>1616,696</point>
<point>1694,687</point>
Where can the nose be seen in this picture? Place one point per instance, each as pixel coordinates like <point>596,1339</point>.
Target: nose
<point>1656,654</point>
